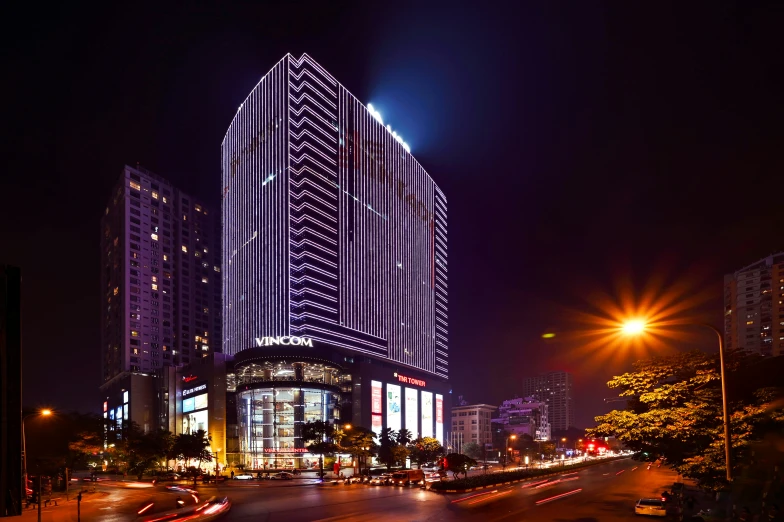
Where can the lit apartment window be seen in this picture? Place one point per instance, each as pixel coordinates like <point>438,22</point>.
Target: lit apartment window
<point>134,333</point>
<point>154,286</point>
<point>203,279</point>
<point>197,208</point>
<point>116,290</point>
<point>154,279</point>
<point>165,257</point>
<point>205,250</point>
<point>184,217</point>
<point>184,249</point>
<point>135,185</point>
<point>164,199</point>
<point>217,268</point>
<point>749,322</point>
<point>154,195</point>
<point>206,310</point>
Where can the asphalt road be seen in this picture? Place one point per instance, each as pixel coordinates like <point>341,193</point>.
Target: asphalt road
<point>600,493</point>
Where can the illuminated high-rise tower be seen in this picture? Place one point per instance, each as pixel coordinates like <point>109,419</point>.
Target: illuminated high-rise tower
<point>334,250</point>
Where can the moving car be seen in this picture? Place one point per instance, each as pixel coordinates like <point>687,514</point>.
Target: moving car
<point>283,475</point>
<point>654,507</point>
<point>244,476</point>
<point>407,477</point>
<point>382,480</point>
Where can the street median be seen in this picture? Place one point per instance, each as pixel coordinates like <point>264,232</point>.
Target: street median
<point>466,485</point>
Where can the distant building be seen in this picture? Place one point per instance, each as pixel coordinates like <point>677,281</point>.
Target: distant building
<point>160,296</point>
<point>523,416</point>
<point>754,307</point>
<point>471,423</point>
<point>11,492</point>
<point>555,389</point>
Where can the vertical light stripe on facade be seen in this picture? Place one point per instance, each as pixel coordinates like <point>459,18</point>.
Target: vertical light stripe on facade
<point>353,250</point>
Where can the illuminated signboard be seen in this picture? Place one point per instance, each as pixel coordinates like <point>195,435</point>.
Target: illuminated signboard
<point>286,450</point>
<point>375,397</point>
<point>440,417</point>
<point>194,421</point>
<point>200,401</point>
<point>412,417</point>
<point>410,380</point>
<point>189,378</point>
<point>376,425</point>
<point>195,389</point>
<point>427,414</point>
<point>284,340</point>
<point>393,407</point>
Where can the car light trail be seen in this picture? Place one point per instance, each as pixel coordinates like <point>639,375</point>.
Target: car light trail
<point>570,478</point>
<point>489,497</point>
<point>473,496</point>
<point>620,472</point>
<point>567,474</point>
<point>550,483</point>
<point>145,508</point>
<point>533,484</point>
<point>635,467</point>
<point>562,495</point>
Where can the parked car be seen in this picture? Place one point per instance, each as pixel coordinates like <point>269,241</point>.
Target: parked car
<point>283,475</point>
<point>244,476</point>
<point>654,507</point>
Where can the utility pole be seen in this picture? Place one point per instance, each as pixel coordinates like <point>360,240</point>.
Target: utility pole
<point>79,507</point>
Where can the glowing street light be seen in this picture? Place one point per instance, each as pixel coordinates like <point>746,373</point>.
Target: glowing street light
<point>634,327</point>
<point>46,412</point>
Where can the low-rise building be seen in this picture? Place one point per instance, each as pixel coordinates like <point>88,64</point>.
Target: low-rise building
<point>471,423</point>
<point>523,416</point>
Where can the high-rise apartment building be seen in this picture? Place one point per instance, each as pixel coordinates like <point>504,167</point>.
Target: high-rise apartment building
<point>554,388</point>
<point>754,307</point>
<point>160,283</point>
<point>12,480</point>
<point>334,265</point>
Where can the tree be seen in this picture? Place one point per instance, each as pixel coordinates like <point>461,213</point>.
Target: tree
<point>387,441</point>
<point>399,454</point>
<point>473,450</point>
<point>458,463</point>
<point>425,449</point>
<point>193,446</point>
<point>404,437</point>
<point>359,442</point>
<point>319,435</point>
<point>674,410</point>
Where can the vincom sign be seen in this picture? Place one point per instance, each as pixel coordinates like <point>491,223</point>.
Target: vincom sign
<point>284,340</point>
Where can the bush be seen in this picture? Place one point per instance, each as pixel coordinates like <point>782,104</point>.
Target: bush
<point>507,476</point>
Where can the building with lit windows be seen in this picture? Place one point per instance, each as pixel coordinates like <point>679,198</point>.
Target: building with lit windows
<point>555,389</point>
<point>334,265</point>
<point>523,416</point>
<point>160,295</point>
<point>753,307</point>
<point>472,423</point>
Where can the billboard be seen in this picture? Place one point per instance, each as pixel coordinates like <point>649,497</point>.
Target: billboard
<point>427,414</point>
<point>440,417</point>
<point>376,425</point>
<point>375,397</point>
<point>194,421</point>
<point>412,417</point>
<point>393,407</point>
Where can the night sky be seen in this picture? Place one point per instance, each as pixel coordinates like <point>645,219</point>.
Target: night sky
<point>585,149</point>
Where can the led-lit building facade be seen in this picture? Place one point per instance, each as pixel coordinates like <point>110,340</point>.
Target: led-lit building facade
<point>335,242</point>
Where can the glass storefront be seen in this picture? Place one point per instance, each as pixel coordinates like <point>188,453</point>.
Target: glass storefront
<point>277,399</point>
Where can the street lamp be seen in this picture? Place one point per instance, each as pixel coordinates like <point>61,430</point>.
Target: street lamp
<point>46,412</point>
<point>637,326</point>
<point>512,437</point>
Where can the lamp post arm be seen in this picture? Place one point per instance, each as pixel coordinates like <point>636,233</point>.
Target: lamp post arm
<point>724,409</point>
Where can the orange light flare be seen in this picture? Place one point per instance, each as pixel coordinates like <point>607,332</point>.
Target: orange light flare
<point>638,324</point>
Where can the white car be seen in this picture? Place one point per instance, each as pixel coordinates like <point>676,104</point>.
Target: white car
<point>243,476</point>
<point>650,506</point>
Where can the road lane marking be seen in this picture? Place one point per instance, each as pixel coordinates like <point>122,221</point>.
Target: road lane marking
<point>562,495</point>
